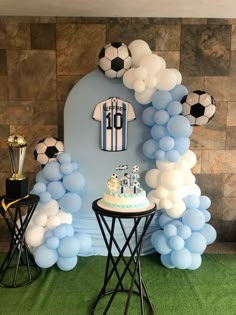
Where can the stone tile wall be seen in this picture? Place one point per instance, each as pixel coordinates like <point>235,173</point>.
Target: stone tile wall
<point>41,58</point>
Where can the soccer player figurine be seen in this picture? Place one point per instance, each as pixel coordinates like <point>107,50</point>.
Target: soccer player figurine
<point>125,182</point>
<point>134,176</point>
<point>136,186</point>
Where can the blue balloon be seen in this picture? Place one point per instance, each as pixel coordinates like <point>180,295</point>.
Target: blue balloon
<point>67,264</point>
<point>205,202</point>
<point>182,145</point>
<point>158,132</point>
<point>160,155</point>
<point>196,262</point>
<point>164,219</point>
<point>52,242</point>
<point>166,143</point>
<point>160,99</point>
<point>45,197</point>
<point>149,148</point>
<point>192,201</point>
<point>85,242</point>
<point>207,215</point>
<point>64,157</point>
<point>178,126</point>
<point>170,230</point>
<point>56,189</point>
<point>48,234</point>
<point>181,259</point>
<point>174,108</point>
<point>161,244</point>
<point>166,261</point>
<point>40,178</point>
<point>155,236</point>
<point>172,156</point>
<point>45,257</point>
<point>194,219</point>
<point>39,188</point>
<point>69,247</point>
<point>66,168</point>
<point>51,171</point>
<point>70,202</point>
<point>196,243</point>
<point>209,232</point>
<point>184,231</point>
<point>176,242</point>
<point>178,92</point>
<point>161,117</point>
<point>148,116</point>
<point>63,230</point>
<point>74,182</point>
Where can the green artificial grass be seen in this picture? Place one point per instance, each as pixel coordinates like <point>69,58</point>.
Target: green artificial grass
<point>211,289</point>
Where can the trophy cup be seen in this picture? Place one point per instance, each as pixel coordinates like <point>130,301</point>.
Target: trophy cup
<point>17,184</point>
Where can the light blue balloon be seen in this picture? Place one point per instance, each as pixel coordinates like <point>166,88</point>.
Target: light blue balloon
<point>52,242</point>
<point>172,156</point>
<point>207,215</point>
<point>148,116</point>
<point>45,197</point>
<point>192,201</point>
<point>64,157</point>
<point>166,261</point>
<point>174,108</point>
<point>209,232</point>
<point>196,243</point>
<point>184,231</point>
<point>182,145</point>
<point>166,143</point>
<point>39,188</point>
<point>51,171</point>
<point>69,247</point>
<point>177,223</point>
<point>155,236</point>
<point>178,126</point>
<point>196,262</point>
<point>74,182</point>
<point>149,148</point>
<point>48,234</point>
<point>70,202</point>
<point>190,131</point>
<point>66,168</point>
<point>85,242</point>
<point>40,178</point>
<point>181,259</point>
<point>176,242</point>
<point>45,257</point>
<point>160,155</point>
<point>164,219</point>
<point>178,92</point>
<point>161,244</point>
<point>160,99</point>
<point>170,230</point>
<point>161,117</point>
<point>63,230</point>
<point>56,189</point>
<point>205,202</point>
<point>67,264</point>
<point>194,219</point>
<point>158,132</point>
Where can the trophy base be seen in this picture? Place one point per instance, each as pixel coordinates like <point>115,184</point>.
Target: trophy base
<point>16,189</point>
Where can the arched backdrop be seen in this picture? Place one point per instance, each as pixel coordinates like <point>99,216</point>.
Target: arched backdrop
<point>82,141</point>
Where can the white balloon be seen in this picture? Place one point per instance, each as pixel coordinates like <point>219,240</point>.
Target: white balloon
<point>178,75</point>
<point>34,235</point>
<point>152,198</point>
<point>175,195</point>
<point>166,80</point>
<point>165,204</point>
<point>176,210</point>
<point>64,217</point>
<point>151,178</point>
<point>190,158</point>
<point>145,97</point>
<point>50,209</point>
<point>128,78</point>
<point>164,165</point>
<point>138,49</point>
<point>40,219</point>
<point>195,190</point>
<point>150,82</point>
<point>53,222</point>
<point>171,180</point>
<point>139,86</point>
<point>140,73</point>
<point>152,63</point>
<point>161,192</point>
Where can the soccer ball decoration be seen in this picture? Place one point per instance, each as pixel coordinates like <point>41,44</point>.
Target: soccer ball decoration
<point>47,150</point>
<point>198,107</point>
<point>114,59</point>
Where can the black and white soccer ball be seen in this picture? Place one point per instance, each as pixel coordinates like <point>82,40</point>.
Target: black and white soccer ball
<point>135,169</point>
<point>47,150</point>
<point>198,107</point>
<point>114,176</point>
<point>114,59</point>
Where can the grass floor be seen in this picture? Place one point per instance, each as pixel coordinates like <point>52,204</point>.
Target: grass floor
<point>209,290</point>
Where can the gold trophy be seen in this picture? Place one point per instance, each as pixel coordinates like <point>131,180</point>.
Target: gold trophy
<point>17,184</point>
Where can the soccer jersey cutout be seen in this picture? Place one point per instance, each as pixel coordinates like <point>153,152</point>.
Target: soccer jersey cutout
<point>114,114</point>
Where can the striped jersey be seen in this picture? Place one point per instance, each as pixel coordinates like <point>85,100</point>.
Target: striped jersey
<point>114,115</point>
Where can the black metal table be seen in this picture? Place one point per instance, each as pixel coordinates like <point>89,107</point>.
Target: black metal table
<point>131,266</point>
<point>18,267</point>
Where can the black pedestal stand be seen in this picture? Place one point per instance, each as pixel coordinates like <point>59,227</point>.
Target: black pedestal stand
<point>19,267</point>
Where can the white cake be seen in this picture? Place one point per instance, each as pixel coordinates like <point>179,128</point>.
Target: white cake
<point>125,193</point>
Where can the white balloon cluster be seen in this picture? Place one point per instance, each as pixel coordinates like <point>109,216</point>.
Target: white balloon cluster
<point>171,182</point>
<point>148,73</point>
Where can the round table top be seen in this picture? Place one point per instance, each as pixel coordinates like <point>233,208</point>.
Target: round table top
<point>23,202</point>
<point>123,213</point>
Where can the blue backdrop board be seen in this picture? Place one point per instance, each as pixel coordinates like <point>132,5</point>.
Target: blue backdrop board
<point>82,141</point>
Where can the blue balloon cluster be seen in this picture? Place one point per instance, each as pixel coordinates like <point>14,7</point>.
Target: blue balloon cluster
<point>181,242</point>
<point>170,130</point>
<point>64,183</point>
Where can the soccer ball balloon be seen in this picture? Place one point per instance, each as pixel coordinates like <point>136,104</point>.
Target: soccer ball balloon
<point>198,107</point>
<point>114,59</point>
<point>47,150</point>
